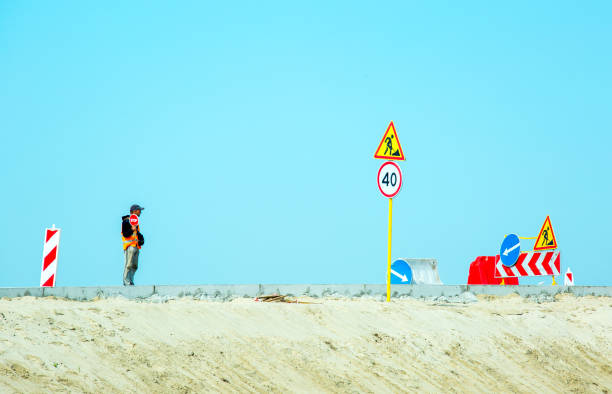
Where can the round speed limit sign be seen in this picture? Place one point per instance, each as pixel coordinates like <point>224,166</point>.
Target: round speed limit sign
<point>389,179</point>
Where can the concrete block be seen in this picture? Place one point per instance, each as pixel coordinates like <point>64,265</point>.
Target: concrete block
<point>492,290</point>
<point>324,290</point>
<point>227,292</point>
<point>601,291</point>
<point>89,293</point>
<point>221,292</point>
<point>430,291</point>
<point>14,292</point>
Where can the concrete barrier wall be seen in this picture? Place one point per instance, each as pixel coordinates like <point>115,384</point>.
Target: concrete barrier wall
<point>89,293</point>
<point>225,292</point>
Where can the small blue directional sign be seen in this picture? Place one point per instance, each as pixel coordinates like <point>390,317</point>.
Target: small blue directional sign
<point>401,273</point>
<point>510,250</point>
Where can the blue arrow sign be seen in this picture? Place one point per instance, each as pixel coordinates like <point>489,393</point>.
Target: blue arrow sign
<point>510,250</point>
<point>401,273</point>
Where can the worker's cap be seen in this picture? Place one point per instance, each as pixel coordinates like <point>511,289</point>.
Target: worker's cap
<point>136,207</point>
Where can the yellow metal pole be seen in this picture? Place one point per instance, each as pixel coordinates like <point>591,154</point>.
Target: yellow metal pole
<point>389,252</point>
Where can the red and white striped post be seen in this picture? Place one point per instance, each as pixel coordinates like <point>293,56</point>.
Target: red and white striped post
<point>569,278</point>
<point>49,264</point>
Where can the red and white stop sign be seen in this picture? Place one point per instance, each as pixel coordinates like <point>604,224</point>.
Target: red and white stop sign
<point>134,220</point>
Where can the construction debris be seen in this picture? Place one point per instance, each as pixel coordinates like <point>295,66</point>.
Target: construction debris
<point>281,298</point>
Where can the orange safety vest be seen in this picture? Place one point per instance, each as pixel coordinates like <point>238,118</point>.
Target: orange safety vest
<point>132,240</point>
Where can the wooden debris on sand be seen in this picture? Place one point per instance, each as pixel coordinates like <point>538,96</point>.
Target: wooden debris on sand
<point>281,298</point>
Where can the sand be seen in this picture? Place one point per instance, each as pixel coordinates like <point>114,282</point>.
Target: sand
<point>508,344</point>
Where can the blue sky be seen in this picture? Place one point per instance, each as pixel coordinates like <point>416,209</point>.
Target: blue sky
<point>248,130</point>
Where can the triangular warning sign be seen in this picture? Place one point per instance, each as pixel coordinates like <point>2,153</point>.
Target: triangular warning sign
<point>546,239</point>
<point>389,147</point>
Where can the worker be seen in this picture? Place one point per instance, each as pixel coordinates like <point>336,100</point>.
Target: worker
<point>132,242</point>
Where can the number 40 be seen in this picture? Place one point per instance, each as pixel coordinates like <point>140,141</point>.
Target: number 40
<point>390,179</point>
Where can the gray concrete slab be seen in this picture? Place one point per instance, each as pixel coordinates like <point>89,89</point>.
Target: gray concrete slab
<point>426,291</point>
<point>322,290</point>
<point>14,292</point>
<point>533,291</point>
<point>220,292</point>
<point>226,292</point>
<point>590,290</point>
<point>89,293</point>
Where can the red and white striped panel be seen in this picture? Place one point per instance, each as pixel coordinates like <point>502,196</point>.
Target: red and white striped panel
<point>530,264</point>
<point>49,266</point>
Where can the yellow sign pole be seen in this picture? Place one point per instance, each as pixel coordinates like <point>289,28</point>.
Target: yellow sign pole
<point>389,251</point>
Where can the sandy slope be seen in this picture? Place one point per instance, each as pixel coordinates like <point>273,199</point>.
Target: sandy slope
<point>495,345</point>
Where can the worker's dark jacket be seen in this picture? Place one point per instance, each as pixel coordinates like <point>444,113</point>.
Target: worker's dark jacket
<point>126,230</point>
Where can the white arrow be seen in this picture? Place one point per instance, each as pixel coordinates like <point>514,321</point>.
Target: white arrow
<point>511,249</point>
<point>402,277</point>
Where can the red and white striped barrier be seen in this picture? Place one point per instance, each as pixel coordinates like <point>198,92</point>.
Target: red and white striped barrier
<point>530,264</point>
<point>569,278</point>
<point>49,265</point>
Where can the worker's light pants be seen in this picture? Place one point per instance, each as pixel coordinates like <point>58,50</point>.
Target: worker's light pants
<point>131,265</point>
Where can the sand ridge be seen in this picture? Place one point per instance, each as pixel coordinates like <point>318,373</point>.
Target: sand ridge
<point>506,344</point>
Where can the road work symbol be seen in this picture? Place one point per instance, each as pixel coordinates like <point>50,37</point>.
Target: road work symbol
<point>389,147</point>
<point>389,142</point>
<point>546,239</point>
<point>510,250</point>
